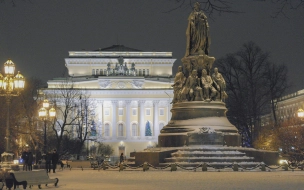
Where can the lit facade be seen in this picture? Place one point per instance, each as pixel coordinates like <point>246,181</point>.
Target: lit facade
<point>286,107</point>
<point>132,90</point>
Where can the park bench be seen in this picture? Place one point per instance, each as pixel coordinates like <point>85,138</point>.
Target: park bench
<point>35,177</point>
<point>80,164</point>
<point>94,164</point>
<point>64,163</point>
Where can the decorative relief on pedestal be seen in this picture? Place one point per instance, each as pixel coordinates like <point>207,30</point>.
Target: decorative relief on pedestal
<point>137,83</point>
<point>104,83</point>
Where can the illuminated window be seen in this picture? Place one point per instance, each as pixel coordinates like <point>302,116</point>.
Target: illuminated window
<point>120,111</point>
<point>120,130</point>
<point>134,130</point>
<point>161,111</point>
<point>134,111</point>
<point>107,130</point>
<point>148,111</point>
<point>107,111</point>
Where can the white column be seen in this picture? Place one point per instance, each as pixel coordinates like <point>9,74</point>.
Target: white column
<point>169,111</point>
<point>155,118</point>
<point>101,120</point>
<point>128,115</point>
<point>114,122</point>
<point>141,118</point>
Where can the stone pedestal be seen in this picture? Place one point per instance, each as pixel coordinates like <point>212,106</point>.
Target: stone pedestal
<point>199,123</point>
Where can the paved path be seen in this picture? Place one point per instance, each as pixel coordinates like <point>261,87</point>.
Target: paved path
<point>77,179</point>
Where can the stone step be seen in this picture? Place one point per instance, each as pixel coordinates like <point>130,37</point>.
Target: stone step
<point>209,159</point>
<point>216,165</point>
<point>207,154</point>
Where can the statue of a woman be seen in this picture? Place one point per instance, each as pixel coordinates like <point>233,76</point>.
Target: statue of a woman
<point>197,33</point>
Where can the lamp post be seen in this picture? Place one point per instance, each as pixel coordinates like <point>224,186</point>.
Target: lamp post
<point>10,86</point>
<point>46,115</point>
<point>301,113</point>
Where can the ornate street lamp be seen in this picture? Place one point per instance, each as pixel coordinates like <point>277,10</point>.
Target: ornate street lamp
<point>301,113</point>
<point>10,86</point>
<point>46,115</point>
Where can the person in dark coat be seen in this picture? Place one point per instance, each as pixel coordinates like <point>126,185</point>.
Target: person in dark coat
<point>25,159</point>
<point>121,158</point>
<point>55,159</point>
<point>30,161</point>
<point>48,160</point>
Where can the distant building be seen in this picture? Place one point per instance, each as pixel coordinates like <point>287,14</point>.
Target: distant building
<point>286,107</point>
<point>132,90</point>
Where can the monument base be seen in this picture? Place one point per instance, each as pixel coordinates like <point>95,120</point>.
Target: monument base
<point>199,123</point>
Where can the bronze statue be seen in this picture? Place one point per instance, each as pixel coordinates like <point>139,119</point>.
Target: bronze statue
<point>191,87</point>
<point>207,82</point>
<point>220,81</point>
<point>197,32</point>
<point>179,81</point>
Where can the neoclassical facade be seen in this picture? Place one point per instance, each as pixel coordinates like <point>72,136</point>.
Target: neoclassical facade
<point>286,107</point>
<point>132,90</point>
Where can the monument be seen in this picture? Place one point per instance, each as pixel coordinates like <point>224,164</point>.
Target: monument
<point>198,110</point>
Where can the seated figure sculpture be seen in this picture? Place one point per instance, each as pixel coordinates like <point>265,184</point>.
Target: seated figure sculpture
<point>191,87</point>
<point>220,81</point>
<point>207,84</point>
<point>179,81</point>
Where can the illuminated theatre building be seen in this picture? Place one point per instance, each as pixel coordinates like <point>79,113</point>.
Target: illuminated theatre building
<point>132,90</point>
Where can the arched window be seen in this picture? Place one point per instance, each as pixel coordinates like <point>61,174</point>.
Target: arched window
<point>161,125</point>
<point>134,130</point>
<point>120,130</point>
<point>107,130</point>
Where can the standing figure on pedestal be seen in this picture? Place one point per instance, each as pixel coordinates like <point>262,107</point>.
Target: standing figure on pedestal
<point>220,81</point>
<point>190,87</point>
<point>209,90</point>
<point>179,81</point>
<point>197,32</point>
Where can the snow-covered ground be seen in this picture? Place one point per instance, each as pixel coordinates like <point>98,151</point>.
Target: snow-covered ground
<point>77,179</point>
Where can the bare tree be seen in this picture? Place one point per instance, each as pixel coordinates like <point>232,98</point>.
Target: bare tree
<point>280,7</point>
<point>247,88</point>
<point>84,124</point>
<point>29,117</point>
<point>65,99</point>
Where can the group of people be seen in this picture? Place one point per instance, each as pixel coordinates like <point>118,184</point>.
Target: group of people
<point>51,160</point>
<point>28,159</point>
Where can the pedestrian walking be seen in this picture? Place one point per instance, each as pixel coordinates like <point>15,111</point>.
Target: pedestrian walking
<point>48,160</point>
<point>121,158</point>
<point>25,159</point>
<point>55,159</point>
<point>30,161</point>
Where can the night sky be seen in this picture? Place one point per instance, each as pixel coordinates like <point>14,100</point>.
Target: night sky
<point>38,34</point>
